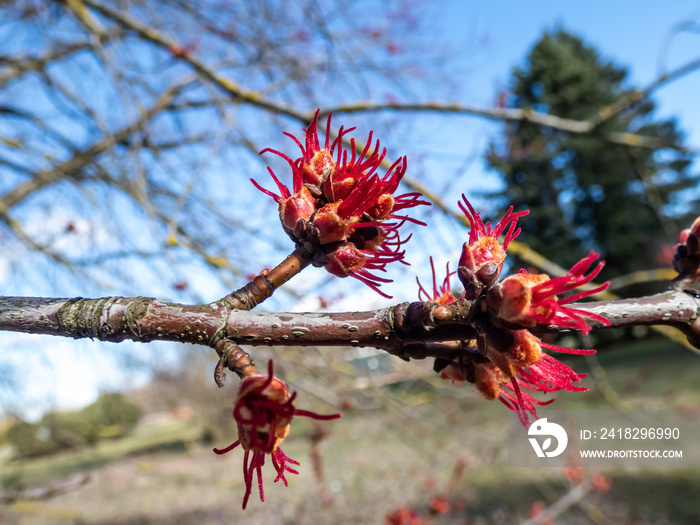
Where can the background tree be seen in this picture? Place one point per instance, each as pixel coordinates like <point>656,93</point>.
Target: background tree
<point>584,192</point>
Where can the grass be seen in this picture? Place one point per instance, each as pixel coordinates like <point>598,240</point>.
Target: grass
<point>175,434</point>
<point>400,453</point>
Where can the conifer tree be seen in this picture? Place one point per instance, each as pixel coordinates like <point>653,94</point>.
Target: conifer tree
<point>584,191</point>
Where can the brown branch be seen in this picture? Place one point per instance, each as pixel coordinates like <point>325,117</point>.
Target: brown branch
<point>225,84</point>
<point>408,330</point>
<point>254,98</point>
<point>85,157</point>
<point>263,285</point>
<point>17,67</point>
<point>588,126</point>
<point>578,127</point>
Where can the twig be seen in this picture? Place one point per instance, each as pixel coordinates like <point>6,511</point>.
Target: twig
<point>571,498</point>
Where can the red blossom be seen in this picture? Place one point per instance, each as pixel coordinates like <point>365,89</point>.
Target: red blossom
<point>441,294</point>
<point>403,516</point>
<point>527,299</point>
<point>574,473</point>
<point>483,246</point>
<point>537,509</point>
<point>439,505</point>
<point>263,412</point>
<point>341,208</point>
<point>505,361</point>
<point>521,367</point>
<point>601,483</point>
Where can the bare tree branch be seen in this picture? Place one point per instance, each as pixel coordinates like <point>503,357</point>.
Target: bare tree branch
<point>83,158</point>
<point>588,126</point>
<point>407,330</point>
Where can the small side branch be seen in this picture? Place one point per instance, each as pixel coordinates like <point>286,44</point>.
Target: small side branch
<point>264,284</point>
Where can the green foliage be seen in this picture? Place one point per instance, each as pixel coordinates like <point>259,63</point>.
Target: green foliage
<point>112,415</point>
<point>585,192</point>
<point>112,410</point>
<point>28,441</point>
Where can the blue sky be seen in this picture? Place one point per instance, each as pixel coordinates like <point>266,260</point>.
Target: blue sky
<point>490,38</point>
<point>633,34</point>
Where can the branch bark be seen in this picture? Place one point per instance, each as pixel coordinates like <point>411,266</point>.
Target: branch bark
<point>407,330</point>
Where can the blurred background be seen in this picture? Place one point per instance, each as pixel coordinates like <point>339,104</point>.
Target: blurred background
<point>129,131</point>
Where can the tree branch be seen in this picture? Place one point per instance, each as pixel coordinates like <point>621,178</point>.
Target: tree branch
<point>83,158</point>
<point>588,126</point>
<point>16,67</point>
<point>254,98</point>
<point>226,84</point>
<point>407,330</point>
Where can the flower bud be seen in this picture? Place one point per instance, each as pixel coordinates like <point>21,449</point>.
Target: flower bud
<point>526,299</point>
<point>511,299</point>
<point>331,226</point>
<point>299,206</point>
<point>486,250</point>
<point>382,208</point>
<point>337,196</point>
<point>336,188</point>
<point>318,168</point>
<point>488,379</point>
<point>344,259</point>
<point>526,349</point>
<point>483,246</point>
<point>263,412</point>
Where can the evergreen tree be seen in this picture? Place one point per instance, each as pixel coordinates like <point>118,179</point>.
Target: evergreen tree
<point>584,192</point>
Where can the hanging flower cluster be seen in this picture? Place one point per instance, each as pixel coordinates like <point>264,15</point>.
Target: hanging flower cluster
<point>340,209</point>
<point>505,359</point>
<point>263,412</point>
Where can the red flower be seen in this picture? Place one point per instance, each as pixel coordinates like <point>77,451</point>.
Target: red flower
<point>483,246</point>
<point>601,483</point>
<point>263,412</point>
<point>441,294</point>
<point>505,361</point>
<point>341,210</point>
<point>403,516</point>
<point>538,508</point>
<point>439,505</point>
<point>686,261</point>
<point>527,299</point>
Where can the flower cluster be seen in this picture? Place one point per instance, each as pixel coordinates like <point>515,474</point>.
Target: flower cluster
<point>687,258</point>
<point>340,209</point>
<point>263,412</point>
<point>506,360</point>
